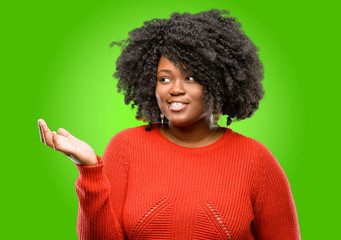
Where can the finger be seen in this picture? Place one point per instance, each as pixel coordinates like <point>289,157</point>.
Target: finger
<point>57,144</point>
<point>46,133</point>
<point>40,133</point>
<point>43,134</point>
<point>53,135</point>
<point>64,132</point>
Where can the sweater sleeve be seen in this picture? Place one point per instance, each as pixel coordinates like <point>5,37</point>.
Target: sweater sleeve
<point>101,192</point>
<point>275,212</point>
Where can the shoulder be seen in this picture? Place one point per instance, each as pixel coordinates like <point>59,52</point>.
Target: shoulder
<point>120,143</point>
<point>131,131</point>
<point>246,143</point>
<point>129,134</point>
<point>262,157</point>
<point>266,166</point>
<point>261,150</point>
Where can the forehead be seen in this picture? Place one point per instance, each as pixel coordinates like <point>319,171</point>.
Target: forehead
<point>166,64</point>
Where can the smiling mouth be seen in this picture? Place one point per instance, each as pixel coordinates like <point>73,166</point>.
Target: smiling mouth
<point>177,106</point>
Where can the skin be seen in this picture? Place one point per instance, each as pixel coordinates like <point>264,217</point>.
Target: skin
<point>190,125</point>
<point>78,151</point>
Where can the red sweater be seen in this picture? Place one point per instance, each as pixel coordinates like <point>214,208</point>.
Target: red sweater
<point>147,187</point>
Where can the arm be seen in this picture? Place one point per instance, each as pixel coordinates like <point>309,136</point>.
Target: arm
<point>275,212</point>
<point>101,192</point>
<point>101,186</point>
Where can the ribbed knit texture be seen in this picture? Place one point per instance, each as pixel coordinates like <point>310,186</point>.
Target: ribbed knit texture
<point>147,187</point>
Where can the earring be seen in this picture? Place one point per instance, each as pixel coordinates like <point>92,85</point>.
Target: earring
<point>162,118</point>
<point>215,119</point>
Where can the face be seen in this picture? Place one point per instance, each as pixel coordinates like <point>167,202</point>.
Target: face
<point>178,95</point>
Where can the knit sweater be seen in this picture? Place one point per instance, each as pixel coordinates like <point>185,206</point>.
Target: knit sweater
<point>147,187</point>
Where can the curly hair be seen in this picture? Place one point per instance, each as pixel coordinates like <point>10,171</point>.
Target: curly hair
<point>210,45</point>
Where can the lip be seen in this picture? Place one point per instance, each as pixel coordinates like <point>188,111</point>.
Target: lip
<point>177,108</point>
<point>177,100</point>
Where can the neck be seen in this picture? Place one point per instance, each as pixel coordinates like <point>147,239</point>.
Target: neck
<point>198,134</point>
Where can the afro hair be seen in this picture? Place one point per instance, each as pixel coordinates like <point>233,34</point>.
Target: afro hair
<point>210,45</point>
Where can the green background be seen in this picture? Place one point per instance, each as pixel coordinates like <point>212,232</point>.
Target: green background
<point>57,65</point>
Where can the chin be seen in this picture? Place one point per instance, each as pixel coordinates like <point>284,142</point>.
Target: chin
<point>181,122</point>
<point>186,122</point>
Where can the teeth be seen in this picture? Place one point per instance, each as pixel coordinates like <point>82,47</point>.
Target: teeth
<point>177,104</point>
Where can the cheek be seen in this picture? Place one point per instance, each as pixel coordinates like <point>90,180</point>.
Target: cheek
<point>158,100</point>
<point>198,96</point>
<point>158,96</point>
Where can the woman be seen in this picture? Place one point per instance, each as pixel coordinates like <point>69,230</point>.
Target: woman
<point>182,176</point>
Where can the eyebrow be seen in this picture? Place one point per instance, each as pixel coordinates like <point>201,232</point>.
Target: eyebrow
<point>165,70</point>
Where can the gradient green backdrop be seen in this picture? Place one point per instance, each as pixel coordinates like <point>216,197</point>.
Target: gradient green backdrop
<point>57,65</point>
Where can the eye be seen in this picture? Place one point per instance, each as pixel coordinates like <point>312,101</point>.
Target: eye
<point>164,79</point>
<point>190,79</point>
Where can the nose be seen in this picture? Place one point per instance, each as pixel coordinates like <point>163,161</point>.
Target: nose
<point>177,88</point>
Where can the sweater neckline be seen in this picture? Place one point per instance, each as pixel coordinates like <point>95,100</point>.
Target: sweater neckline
<point>221,140</point>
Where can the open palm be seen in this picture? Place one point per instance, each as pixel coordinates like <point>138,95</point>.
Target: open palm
<point>77,150</point>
